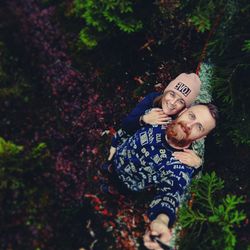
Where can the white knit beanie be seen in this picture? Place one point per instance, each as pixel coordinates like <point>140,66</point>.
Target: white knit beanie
<point>187,86</point>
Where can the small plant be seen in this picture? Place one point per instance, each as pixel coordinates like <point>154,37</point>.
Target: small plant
<point>13,158</point>
<point>101,17</point>
<point>23,195</point>
<point>204,14</point>
<point>201,22</point>
<point>209,222</point>
<point>12,81</point>
<point>246,46</point>
<point>8,148</point>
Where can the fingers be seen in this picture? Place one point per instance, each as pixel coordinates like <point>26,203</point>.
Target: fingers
<point>149,243</point>
<point>152,245</point>
<point>188,158</point>
<point>186,162</point>
<point>162,115</point>
<point>179,154</point>
<point>163,235</point>
<point>182,155</point>
<point>159,241</point>
<point>156,109</point>
<point>163,119</point>
<point>156,118</point>
<point>161,123</point>
<point>189,151</point>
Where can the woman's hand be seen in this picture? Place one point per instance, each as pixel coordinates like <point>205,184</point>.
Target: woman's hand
<point>188,157</point>
<point>156,116</point>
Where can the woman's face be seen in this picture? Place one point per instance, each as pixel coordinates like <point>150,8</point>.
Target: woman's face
<point>172,103</point>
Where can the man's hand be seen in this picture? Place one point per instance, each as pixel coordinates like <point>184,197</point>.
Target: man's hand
<point>156,116</point>
<point>188,157</point>
<point>159,228</point>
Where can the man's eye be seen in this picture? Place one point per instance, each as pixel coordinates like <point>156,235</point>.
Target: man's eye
<point>191,116</point>
<point>200,128</point>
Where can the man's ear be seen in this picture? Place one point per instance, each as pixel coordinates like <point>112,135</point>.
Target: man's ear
<point>185,109</point>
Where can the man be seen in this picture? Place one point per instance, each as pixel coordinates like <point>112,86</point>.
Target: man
<point>145,160</point>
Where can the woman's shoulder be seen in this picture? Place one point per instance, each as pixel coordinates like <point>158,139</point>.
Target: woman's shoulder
<point>153,94</point>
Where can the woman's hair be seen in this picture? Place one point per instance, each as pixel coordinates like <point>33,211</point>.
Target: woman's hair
<point>157,101</point>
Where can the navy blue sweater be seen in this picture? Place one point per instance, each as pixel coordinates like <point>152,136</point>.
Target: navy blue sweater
<point>145,160</point>
<point>130,124</point>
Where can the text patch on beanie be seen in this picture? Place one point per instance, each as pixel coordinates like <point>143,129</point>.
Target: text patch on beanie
<point>184,89</point>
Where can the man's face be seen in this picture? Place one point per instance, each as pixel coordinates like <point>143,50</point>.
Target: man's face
<point>194,123</point>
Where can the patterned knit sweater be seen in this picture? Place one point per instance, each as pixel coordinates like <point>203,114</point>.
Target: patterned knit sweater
<point>145,160</point>
<point>130,124</point>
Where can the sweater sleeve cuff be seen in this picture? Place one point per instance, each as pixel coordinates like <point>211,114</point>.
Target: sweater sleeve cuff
<point>141,122</point>
<point>163,208</point>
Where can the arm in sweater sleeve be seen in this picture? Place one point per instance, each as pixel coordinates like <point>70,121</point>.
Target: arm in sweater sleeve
<point>131,122</point>
<point>169,194</point>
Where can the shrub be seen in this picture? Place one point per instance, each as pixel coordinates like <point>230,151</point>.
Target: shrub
<point>209,221</point>
<point>101,17</point>
<point>25,192</point>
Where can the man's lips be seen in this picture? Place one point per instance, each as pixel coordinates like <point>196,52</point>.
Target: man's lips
<point>181,131</point>
<point>184,128</point>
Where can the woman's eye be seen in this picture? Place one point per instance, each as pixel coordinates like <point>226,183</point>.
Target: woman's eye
<point>171,94</point>
<point>182,102</point>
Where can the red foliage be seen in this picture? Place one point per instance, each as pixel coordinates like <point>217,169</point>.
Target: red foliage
<point>82,116</point>
<point>125,220</point>
<point>77,99</point>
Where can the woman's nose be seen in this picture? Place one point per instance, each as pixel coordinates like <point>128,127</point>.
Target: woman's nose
<point>173,101</point>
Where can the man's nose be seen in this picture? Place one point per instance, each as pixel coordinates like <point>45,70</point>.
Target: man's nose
<point>190,124</point>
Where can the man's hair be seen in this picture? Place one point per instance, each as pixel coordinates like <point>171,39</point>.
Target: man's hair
<point>212,109</point>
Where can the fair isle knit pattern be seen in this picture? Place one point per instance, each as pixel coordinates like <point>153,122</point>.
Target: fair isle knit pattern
<point>144,161</point>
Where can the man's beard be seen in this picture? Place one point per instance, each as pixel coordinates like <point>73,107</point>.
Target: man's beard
<point>177,138</point>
